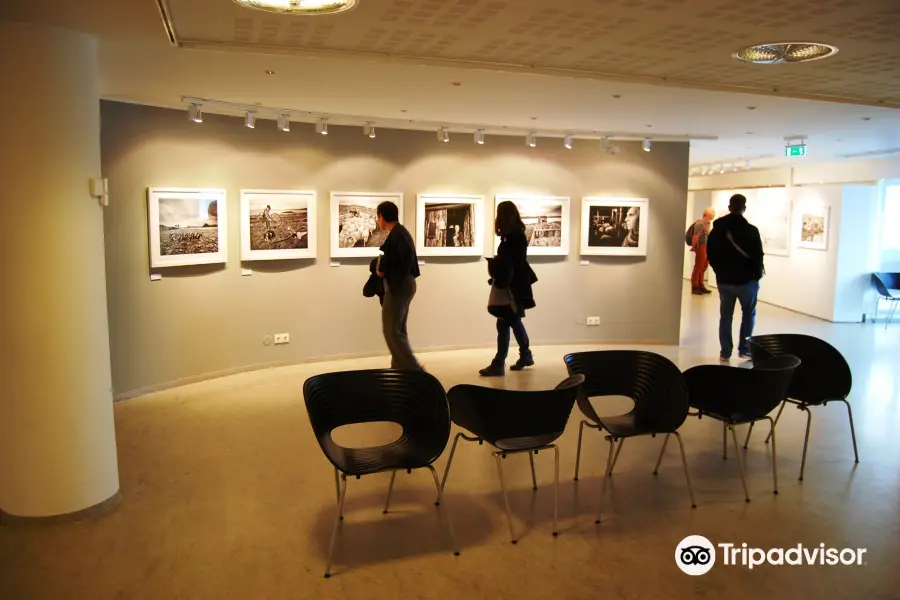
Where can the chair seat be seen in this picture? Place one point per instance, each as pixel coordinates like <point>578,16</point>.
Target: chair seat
<point>524,443</point>
<point>400,454</point>
<point>735,417</point>
<point>628,425</point>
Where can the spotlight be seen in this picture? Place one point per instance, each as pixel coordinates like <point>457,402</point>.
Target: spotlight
<point>283,123</point>
<point>443,135</point>
<point>250,120</point>
<point>531,140</point>
<point>322,127</point>
<point>646,145</point>
<point>704,170</point>
<point>722,168</point>
<point>369,130</point>
<point>194,113</point>
<point>568,142</point>
<point>749,165</point>
<point>607,147</point>
<point>479,137</point>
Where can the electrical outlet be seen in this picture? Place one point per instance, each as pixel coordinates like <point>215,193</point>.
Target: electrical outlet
<point>591,321</point>
<point>282,338</point>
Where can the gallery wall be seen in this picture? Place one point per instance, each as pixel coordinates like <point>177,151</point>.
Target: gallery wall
<point>200,321</point>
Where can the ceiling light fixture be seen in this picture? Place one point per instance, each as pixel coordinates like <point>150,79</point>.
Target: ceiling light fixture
<point>531,140</point>
<point>479,137</point>
<point>195,114</point>
<point>568,142</point>
<point>250,120</point>
<point>646,145</point>
<point>369,130</point>
<point>749,165</point>
<point>607,147</point>
<point>299,7</point>
<point>284,123</point>
<point>443,135</point>
<point>322,127</point>
<point>785,52</point>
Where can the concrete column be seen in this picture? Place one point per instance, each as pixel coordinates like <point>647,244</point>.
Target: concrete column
<point>57,436</point>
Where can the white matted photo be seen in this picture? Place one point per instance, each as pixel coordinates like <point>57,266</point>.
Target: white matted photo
<point>353,230</point>
<point>614,226</point>
<point>814,226</point>
<point>187,226</point>
<point>450,225</point>
<point>278,224</point>
<point>546,221</point>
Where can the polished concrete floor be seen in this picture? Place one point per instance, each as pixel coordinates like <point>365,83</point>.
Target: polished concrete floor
<point>226,495</point>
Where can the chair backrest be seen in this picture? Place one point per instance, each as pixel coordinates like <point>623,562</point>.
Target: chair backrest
<point>884,282</point>
<point>652,381</point>
<point>823,373</point>
<point>495,414</point>
<point>415,400</point>
<point>744,394</point>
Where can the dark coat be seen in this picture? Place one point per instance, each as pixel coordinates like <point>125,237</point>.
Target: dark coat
<point>375,285</point>
<point>510,270</point>
<point>733,266</point>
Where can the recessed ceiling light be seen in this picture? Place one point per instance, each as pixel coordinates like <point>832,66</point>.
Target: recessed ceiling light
<point>866,118</point>
<point>617,96</point>
<point>269,72</point>
<point>457,83</point>
<point>785,52</point>
<point>751,108</point>
<point>300,7</point>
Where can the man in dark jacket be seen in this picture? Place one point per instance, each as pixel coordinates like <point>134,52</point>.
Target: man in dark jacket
<point>735,253</point>
<point>398,268</point>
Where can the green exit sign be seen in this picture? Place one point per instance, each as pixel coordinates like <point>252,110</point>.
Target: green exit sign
<point>795,150</point>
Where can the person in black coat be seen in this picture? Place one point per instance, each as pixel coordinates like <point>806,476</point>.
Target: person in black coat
<point>511,293</point>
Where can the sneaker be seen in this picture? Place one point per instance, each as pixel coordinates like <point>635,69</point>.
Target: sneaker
<point>494,370</point>
<point>724,359</point>
<point>745,355</point>
<point>705,291</point>
<point>697,292</point>
<point>524,361</point>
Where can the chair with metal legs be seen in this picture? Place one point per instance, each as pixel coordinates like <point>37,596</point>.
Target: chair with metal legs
<point>822,377</point>
<point>888,287</point>
<point>737,396</point>
<point>655,385</point>
<point>513,422</point>
<point>414,400</point>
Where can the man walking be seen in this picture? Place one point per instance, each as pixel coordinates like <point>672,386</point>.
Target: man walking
<point>399,267</point>
<point>699,235</point>
<point>736,255</point>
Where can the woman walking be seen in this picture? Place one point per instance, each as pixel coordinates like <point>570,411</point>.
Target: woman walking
<point>511,295</point>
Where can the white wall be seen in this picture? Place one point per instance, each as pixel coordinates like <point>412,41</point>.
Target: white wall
<point>857,257</point>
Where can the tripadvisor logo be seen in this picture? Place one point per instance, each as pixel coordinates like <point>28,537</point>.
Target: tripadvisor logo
<point>696,555</point>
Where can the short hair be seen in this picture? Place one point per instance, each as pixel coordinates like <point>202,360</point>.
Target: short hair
<point>388,211</point>
<point>737,202</point>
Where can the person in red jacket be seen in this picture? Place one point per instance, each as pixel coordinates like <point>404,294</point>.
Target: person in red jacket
<point>699,236</point>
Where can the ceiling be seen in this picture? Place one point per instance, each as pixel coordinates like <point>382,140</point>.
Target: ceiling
<point>545,65</point>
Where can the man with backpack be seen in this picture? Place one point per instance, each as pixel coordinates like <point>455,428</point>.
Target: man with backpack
<point>696,237</point>
<point>736,255</point>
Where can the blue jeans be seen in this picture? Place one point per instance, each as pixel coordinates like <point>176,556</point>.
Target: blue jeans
<point>746,295</point>
<point>518,329</point>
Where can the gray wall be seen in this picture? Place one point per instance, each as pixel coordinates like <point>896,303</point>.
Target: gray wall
<point>199,321</point>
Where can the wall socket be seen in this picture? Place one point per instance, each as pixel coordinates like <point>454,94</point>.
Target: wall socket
<point>591,321</point>
<point>282,338</point>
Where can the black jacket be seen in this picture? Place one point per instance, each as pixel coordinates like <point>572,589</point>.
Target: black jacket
<point>375,285</point>
<point>510,269</point>
<point>735,252</point>
<point>399,260</point>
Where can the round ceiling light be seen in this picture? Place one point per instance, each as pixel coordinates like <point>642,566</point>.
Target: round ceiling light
<point>300,7</point>
<point>789,52</point>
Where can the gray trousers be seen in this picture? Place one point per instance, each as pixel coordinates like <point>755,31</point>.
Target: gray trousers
<point>394,313</point>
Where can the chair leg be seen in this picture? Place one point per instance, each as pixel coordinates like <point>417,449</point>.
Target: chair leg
<point>852,431</point>
<point>337,522</point>
<point>533,476</point>
<point>616,457</point>
<point>806,439</point>
<point>740,462</point>
<point>609,465</point>
<point>442,508</point>
<point>512,533</point>
<point>747,439</point>
<point>661,452</point>
<point>687,475</point>
<point>578,452</point>
<point>337,486</point>
<point>724,441</point>
<point>555,489</point>
<point>774,453</point>
<point>450,459</point>
<point>387,504</point>
<point>778,416</point>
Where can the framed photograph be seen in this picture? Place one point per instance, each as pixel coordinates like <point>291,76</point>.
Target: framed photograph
<point>546,221</point>
<point>614,226</point>
<point>353,230</point>
<point>278,224</point>
<point>187,226</point>
<point>450,225</point>
<point>814,227</point>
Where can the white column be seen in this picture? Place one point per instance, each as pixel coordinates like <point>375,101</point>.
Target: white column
<point>57,436</point>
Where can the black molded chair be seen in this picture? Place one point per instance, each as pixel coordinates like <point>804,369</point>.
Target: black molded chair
<point>737,396</point>
<point>514,422</point>
<point>655,385</point>
<point>888,287</point>
<point>822,377</point>
<point>414,400</point>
